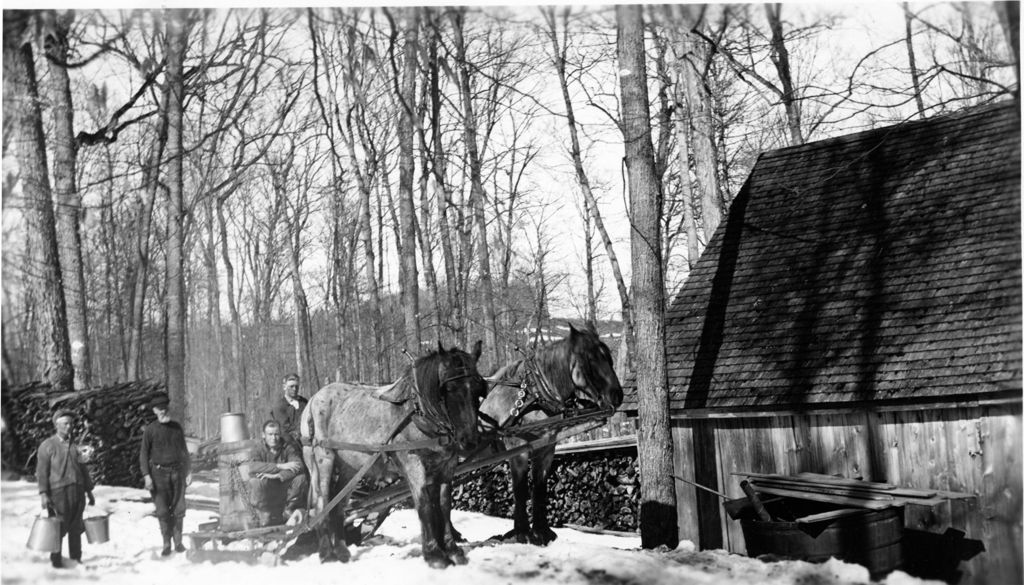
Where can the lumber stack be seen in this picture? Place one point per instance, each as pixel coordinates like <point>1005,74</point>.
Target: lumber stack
<point>108,424</point>
<point>923,509</point>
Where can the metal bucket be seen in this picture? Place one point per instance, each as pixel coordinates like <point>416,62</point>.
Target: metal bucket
<point>45,535</point>
<point>233,427</point>
<point>97,529</point>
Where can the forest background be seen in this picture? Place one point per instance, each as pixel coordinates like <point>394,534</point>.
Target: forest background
<point>224,196</point>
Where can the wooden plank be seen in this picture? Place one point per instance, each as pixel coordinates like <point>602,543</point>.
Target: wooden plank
<point>817,479</point>
<point>830,515</point>
<point>834,491</point>
<point>838,500</point>
<point>895,492</point>
<point>686,496</point>
<point>846,480</point>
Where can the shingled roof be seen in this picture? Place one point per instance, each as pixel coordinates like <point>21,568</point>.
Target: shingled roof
<point>883,266</point>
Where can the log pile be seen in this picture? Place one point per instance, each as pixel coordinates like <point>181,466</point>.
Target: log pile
<point>593,489</point>
<point>108,426</point>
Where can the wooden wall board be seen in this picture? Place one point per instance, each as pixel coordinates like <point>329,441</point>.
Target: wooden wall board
<point>976,450</point>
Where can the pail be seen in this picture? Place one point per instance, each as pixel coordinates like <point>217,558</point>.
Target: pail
<point>873,539</point>
<point>45,535</point>
<point>97,529</point>
<point>233,428</point>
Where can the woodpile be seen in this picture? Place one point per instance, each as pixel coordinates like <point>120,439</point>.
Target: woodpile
<point>108,426</point>
<point>593,489</point>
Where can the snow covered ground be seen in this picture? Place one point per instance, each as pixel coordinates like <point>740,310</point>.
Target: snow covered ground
<point>131,556</point>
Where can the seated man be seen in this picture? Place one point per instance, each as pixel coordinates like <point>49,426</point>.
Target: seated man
<point>277,479</point>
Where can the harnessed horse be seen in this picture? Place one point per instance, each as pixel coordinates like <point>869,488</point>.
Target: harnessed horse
<point>575,368</point>
<point>418,425</point>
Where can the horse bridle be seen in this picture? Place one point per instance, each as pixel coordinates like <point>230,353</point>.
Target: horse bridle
<point>437,424</point>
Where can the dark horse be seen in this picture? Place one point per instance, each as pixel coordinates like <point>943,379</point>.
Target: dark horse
<point>575,368</point>
<point>426,419</point>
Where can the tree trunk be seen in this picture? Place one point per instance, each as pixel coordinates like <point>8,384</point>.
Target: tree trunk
<point>213,304</point>
<point>1009,19</point>
<point>454,318</point>
<point>20,87</point>
<point>591,201</point>
<point>137,294</point>
<point>65,191</point>
<point>658,522</point>
<point>915,77</point>
<point>408,272</point>
<point>689,54</point>
<point>176,27</point>
<point>780,57</point>
<point>476,192</point>
<point>237,355</point>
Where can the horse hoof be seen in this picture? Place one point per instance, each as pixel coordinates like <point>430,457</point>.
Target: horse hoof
<point>457,536</point>
<point>438,562</point>
<point>342,554</point>
<point>328,557</point>
<point>542,536</point>
<point>514,535</point>
<point>457,556</point>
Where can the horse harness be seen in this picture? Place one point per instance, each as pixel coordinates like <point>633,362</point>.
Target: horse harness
<point>428,423</point>
<point>538,395</point>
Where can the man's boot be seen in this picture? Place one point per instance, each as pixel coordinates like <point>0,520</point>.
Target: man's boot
<point>165,532</point>
<point>178,546</point>
<point>75,546</point>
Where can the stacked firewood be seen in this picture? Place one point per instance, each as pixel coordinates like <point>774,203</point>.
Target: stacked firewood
<point>596,489</point>
<point>108,426</point>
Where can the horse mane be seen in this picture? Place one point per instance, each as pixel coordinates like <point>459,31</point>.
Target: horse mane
<point>427,385</point>
<point>551,359</point>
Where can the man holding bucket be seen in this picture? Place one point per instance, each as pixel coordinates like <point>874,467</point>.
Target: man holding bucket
<point>64,485</point>
<point>165,465</point>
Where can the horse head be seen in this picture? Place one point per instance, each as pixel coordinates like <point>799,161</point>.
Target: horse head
<point>590,364</point>
<point>450,390</point>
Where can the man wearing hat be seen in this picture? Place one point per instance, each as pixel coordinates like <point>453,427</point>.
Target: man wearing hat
<point>64,484</point>
<point>165,466</point>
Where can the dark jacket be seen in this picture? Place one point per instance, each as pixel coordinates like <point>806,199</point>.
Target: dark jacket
<point>288,416</point>
<point>59,464</point>
<point>163,444</point>
<point>263,460</point>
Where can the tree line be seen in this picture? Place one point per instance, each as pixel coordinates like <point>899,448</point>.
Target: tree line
<point>214,198</point>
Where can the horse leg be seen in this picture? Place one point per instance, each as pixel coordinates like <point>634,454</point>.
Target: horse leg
<point>320,490</point>
<point>426,496</point>
<point>520,532</point>
<point>541,533</point>
<point>451,536</point>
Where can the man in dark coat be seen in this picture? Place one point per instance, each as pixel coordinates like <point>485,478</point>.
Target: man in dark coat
<point>165,465</point>
<point>64,484</point>
<point>277,478</point>
<point>288,409</point>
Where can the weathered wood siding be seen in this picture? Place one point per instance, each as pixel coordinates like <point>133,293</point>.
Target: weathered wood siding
<point>973,450</point>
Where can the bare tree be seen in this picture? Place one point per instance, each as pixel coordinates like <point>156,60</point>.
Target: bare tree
<point>657,498</point>
<point>780,57</point>
<point>476,188</point>
<point>21,93</point>
<point>65,191</point>
<point>177,24</point>
<point>559,59</point>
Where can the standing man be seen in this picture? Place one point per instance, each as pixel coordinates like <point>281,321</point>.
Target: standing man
<point>165,466</point>
<point>277,482</point>
<point>64,484</point>
<point>287,410</point>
